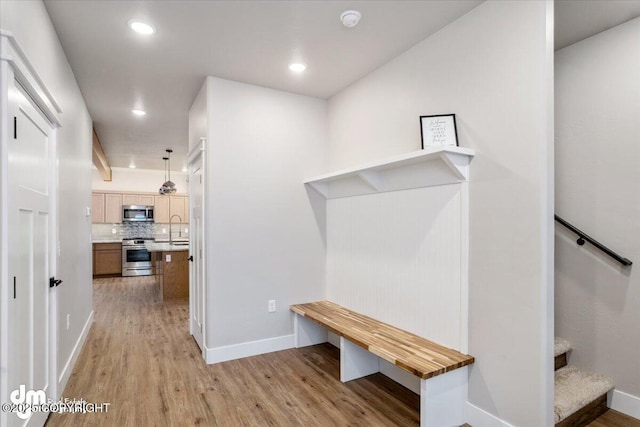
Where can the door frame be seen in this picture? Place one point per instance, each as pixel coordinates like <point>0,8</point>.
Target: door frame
<point>15,68</point>
<point>197,153</point>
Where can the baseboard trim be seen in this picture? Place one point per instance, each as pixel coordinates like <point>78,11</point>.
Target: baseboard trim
<point>479,417</point>
<point>625,403</point>
<point>247,349</point>
<point>68,367</point>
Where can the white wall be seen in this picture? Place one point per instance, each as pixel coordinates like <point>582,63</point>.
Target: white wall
<point>198,124</point>
<point>30,23</point>
<point>263,240</point>
<point>598,190</point>
<point>397,257</point>
<point>142,180</point>
<point>492,67</point>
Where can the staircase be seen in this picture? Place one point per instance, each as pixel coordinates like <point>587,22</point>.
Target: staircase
<point>580,396</point>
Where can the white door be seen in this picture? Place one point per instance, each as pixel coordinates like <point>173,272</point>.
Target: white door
<point>29,232</point>
<point>196,285</point>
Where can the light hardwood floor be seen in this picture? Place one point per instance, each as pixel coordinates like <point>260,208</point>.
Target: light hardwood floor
<point>140,358</point>
<point>613,418</point>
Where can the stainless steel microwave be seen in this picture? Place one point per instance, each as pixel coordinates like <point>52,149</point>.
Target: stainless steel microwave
<point>137,213</point>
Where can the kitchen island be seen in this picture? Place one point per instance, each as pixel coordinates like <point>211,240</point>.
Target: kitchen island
<point>171,266</point>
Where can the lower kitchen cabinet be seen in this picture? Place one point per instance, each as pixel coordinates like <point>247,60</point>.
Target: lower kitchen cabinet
<point>107,259</point>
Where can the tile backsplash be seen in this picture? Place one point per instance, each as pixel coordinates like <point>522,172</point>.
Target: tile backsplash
<point>159,231</point>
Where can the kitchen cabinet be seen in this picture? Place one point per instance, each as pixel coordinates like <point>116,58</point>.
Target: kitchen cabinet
<point>130,199</point>
<point>97,208</point>
<point>107,259</point>
<point>106,207</point>
<point>167,206</point>
<point>138,199</point>
<point>179,205</point>
<point>161,209</point>
<point>146,199</point>
<point>112,208</point>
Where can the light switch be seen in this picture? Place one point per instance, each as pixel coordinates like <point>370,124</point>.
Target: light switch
<point>87,211</point>
<point>168,258</point>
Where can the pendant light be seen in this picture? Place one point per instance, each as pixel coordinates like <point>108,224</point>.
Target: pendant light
<point>161,190</point>
<point>168,187</point>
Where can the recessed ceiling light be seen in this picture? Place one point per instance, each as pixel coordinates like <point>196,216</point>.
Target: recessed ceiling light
<point>139,112</point>
<point>297,68</point>
<point>141,27</point>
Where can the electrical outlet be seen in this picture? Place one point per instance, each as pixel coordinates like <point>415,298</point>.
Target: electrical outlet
<point>168,258</point>
<point>272,305</point>
<point>113,231</point>
<point>68,321</point>
<point>164,231</point>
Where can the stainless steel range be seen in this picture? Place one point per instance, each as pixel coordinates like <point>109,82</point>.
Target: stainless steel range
<point>136,259</point>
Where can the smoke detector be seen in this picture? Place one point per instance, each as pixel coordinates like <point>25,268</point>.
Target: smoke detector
<point>350,18</point>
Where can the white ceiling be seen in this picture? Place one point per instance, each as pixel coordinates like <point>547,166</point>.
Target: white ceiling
<point>248,41</point>
<point>576,20</point>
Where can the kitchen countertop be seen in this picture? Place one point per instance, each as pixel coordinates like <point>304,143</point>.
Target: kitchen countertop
<point>157,246</point>
<point>165,247</point>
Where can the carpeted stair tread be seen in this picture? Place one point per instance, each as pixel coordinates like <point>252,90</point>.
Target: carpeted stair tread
<point>560,345</point>
<point>575,388</point>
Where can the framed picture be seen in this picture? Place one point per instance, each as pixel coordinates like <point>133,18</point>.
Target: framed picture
<point>438,130</point>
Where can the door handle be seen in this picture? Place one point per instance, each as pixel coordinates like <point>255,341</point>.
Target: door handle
<point>54,282</point>
<point>190,258</point>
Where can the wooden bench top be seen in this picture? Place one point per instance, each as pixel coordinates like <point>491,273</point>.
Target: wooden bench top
<point>408,351</point>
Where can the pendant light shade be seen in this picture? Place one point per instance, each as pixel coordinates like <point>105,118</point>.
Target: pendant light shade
<point>169,187</point>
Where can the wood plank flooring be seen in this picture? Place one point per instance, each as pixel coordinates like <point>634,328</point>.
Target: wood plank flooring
<point>613,418</point>
<point>140,357</point>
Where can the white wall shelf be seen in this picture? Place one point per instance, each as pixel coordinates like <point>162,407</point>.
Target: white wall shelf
<point>424,168</point>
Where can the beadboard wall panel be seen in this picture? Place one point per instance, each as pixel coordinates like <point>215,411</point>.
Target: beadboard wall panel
<point>397,257</point>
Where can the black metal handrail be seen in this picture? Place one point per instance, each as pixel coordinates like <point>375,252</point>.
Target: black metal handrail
<point>582,237</point>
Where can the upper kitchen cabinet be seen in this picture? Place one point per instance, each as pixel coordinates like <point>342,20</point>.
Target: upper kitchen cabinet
<point>168,206</point>
<point>138,199</point>
<point>113,208</point>
<point>146,199</point>
<point>161,209</point>
<point>179,205</point>
<point>97,208</point>
<point>130,199</point>
<point>106,208</point>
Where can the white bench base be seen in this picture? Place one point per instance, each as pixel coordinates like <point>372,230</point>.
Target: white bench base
<point>442,398</point>
<point>356,362</point>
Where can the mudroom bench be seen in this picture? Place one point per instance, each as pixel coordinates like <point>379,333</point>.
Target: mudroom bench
<point>364,341</point>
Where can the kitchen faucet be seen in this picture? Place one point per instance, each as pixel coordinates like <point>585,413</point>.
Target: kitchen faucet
<point>179,231</point>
